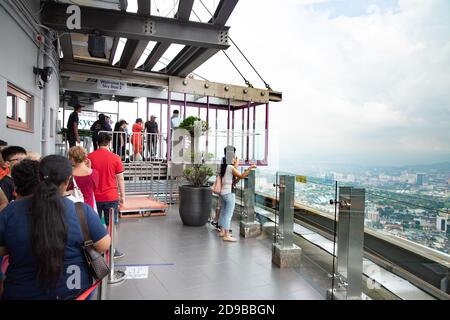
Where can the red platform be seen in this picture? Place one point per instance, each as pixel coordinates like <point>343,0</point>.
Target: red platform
<point>142,206</point>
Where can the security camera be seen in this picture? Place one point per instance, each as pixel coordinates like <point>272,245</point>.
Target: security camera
<point>46,73</point>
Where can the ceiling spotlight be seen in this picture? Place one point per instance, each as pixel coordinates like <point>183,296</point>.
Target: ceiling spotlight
<point>46,73</point>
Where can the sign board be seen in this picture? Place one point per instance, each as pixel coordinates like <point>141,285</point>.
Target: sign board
<point>136,272</point>
<point>115,85</point>
<point>86,119</point>
<point>301,179</point>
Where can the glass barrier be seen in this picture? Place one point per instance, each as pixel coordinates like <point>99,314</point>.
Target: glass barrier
<point>404,234</point>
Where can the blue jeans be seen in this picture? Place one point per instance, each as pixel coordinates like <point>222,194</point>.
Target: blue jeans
<point>103,209</point>
<point>226,214</point>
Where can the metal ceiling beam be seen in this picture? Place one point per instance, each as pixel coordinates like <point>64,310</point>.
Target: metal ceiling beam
<point>107,72</point>
<point>134,26</point>
<point>144,7</point>
<point>65,42</point>
<point>158,50</point>
<point>113,50</point>
<point>183,14</point>
<point>123,7</point>
<point>196,61</point>
<point>182,66</point>
<point>132,53</point>
<point>223,12</point>
<point>182,57</point>
<point>134,49</point>
<point>184,10</point>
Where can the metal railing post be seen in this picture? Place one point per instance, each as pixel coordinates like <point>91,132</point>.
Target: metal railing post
<point>350,244</point>
<point>115,276</point>
<point>249,228</point>
<point>285,253</point>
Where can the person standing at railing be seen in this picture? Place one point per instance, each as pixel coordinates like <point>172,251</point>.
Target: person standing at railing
<point>151,128</point>
<point>227,173</point>
<point>72,126</point>
<point>100,125</point>
<point>136,139</point>
<point>120,138</point>
<point>43,238</point>
<point>110,191</point>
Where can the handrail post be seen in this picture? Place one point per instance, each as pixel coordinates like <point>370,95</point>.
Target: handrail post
<point>115,276</point>
<point>350,244</point>
<point>249,228</point>
<point>285,253</point>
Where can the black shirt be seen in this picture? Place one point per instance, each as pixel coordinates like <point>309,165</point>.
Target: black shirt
<point>73,118</point>
<point>7,186</point>
<point>151,127</point>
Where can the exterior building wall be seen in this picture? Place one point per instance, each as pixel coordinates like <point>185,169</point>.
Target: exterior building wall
<point>18,56</point>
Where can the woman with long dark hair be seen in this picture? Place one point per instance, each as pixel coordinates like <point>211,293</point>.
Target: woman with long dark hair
<point>227,172</point>
<point>42,236</point>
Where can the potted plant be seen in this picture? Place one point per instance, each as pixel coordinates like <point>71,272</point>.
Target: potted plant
<point>195,197</point>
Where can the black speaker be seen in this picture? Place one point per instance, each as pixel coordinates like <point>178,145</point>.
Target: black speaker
<point>96,46</point>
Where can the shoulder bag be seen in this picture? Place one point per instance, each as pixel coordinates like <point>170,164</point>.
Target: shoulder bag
<point>95,261</point>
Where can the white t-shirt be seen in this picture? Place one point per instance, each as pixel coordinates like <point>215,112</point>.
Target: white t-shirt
<point>174,122</point>
<point>227,180</point>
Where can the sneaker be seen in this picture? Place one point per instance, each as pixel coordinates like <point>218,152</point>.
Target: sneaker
<point>118,254</point>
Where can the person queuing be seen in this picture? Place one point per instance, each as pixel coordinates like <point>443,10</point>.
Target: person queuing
<point>120,138</point>
<point>228,198</point>
<point>11,155</point>
<point>4,170</point>
<point>110,171</point>
<point>151,128</point>
<point>42,235</point>
<point>85,177</point>
<point>136,139</point>
<point>102,124</point>
<point>73,136</point>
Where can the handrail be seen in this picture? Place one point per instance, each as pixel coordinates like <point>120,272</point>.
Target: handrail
<point>428,253</point>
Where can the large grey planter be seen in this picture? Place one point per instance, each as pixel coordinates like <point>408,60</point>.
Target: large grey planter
<point>195,205</point>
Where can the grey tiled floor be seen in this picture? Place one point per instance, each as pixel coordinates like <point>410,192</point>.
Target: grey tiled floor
<point>190,263</point>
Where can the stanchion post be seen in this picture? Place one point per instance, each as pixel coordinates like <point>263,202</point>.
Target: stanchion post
<point>350,245</point>
<point>115,276</point>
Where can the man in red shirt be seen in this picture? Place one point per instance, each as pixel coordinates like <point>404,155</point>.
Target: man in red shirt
<point>110,171</point>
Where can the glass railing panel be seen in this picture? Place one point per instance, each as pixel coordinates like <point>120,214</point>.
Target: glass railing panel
<point>417,224</point>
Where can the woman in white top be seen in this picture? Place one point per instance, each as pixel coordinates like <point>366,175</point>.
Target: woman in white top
<point>227,172</point>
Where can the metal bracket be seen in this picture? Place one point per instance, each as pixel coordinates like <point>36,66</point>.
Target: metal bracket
<point>343,204</point>
<point>149,27</point>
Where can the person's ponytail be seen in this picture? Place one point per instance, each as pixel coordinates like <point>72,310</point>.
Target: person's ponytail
<point>48,221</point>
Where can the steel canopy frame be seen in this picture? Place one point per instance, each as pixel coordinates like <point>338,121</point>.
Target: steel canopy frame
<point>134,26</point>
<point>251,122</point>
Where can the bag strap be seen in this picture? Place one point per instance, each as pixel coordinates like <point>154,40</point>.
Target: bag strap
<point>83,223</point>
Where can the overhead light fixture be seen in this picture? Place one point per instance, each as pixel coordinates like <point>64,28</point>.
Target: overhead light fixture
<point>46,73</point>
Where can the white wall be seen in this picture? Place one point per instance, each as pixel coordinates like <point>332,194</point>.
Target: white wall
<point>18,56</point>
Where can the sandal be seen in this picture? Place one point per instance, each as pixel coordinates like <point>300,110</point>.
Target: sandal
<point>230,239</point>
<point>221,234</point>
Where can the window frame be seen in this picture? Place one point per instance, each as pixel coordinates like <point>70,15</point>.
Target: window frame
<point>15,123</point>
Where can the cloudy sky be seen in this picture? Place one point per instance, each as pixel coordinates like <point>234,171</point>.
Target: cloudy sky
<point>363,81</point>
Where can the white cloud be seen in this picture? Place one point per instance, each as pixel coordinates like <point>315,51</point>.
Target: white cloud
<point>371,88</point>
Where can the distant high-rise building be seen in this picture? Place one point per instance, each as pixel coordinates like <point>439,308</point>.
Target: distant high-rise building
<point>420,178</point>
<point>441,223</point>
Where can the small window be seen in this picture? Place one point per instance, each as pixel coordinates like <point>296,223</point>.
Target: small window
<point>18,109</point>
